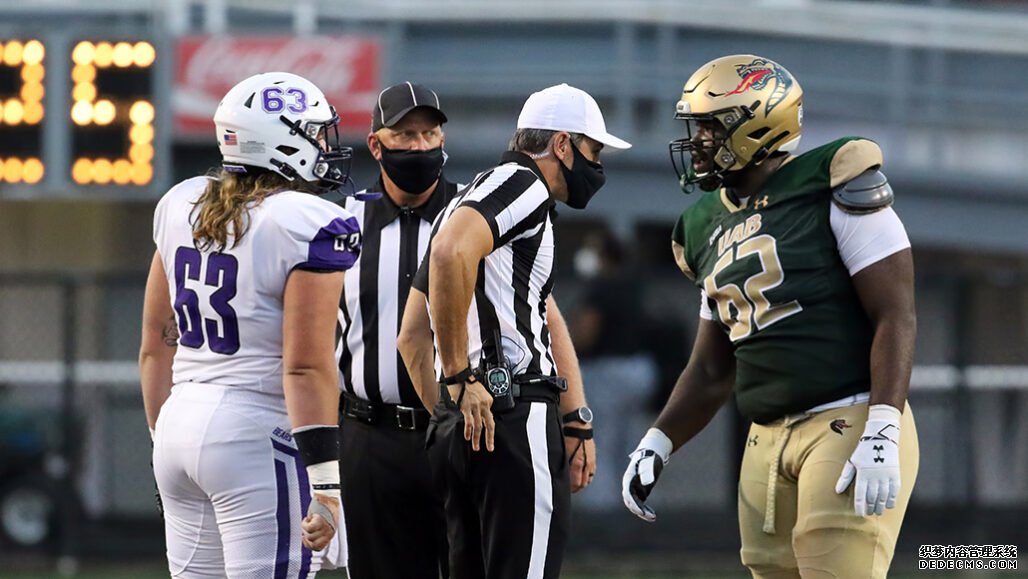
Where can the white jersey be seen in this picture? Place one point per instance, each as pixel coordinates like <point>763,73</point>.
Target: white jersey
<point>228,304</point>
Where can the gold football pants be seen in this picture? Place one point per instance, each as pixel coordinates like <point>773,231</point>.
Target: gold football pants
<point>803,529</point>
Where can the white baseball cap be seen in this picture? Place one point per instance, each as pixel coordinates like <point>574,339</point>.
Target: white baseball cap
<point>566,108</point>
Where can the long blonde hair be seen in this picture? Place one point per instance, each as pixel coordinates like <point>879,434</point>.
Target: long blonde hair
<point>223,208</point>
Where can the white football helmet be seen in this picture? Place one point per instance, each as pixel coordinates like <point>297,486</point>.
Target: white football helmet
<point>282,122</point>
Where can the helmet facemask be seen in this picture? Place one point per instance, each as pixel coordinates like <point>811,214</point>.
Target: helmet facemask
<point>715,151</point>
<point>331,166</point>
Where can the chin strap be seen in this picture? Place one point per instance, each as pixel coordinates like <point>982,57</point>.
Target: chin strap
<point>690,181</point>
<point>685,186</point>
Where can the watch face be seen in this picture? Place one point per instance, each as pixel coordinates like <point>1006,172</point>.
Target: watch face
<point>585,415</point>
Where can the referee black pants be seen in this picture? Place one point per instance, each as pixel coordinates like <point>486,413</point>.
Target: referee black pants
<point>507,511</point>
<point>394,517</point>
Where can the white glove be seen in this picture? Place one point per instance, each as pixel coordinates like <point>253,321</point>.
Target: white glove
<point>875,462</point>
<point>643,471</point>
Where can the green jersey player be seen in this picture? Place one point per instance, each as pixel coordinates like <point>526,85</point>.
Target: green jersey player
<point>807,313</point>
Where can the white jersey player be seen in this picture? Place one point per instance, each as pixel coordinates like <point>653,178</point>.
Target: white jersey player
<point>237,359</point>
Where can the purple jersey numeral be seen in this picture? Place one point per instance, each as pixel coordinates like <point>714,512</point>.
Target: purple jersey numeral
<point>222,272</point>
<point>187,303</point>
<point>272,100</point>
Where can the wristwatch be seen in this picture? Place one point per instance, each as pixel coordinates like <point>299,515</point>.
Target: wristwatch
<point>583,415</point>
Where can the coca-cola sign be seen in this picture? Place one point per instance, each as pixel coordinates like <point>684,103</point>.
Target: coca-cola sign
<point>346,68</point>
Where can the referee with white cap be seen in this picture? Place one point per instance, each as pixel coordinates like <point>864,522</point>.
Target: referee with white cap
<point>394,516</point>
<point>495,443</point>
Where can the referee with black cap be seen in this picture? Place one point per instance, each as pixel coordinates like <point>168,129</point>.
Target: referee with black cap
<point>395,519</point>
<point>496,444</point>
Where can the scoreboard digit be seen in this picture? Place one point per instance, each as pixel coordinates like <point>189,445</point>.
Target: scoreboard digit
<point>21,110</point>
<point>113,116</point>
<point>109,129</point>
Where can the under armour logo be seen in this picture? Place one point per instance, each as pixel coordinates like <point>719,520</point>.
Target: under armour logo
<point>752,441</point>
<point>879,448</point>
<point>761,203</point>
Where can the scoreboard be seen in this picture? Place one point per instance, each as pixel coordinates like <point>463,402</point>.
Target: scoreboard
<point>21,103</point>
<point>113,113</point>
<point>104,123</point>
<point>83,109</point>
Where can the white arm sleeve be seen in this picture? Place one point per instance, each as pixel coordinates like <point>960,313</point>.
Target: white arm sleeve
<point>705,312</point>
<point>867,239</point>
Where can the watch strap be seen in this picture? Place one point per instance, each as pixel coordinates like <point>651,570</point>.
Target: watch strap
<point>458,378</point>
<point>575,416</point>
<point>580,433</point>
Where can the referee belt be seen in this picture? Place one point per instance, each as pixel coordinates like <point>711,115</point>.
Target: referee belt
<point>539,388</point>
<point>381,414</point>
<point>527,388</point>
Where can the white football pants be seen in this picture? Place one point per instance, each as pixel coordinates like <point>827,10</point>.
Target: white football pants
<point>233,485</point>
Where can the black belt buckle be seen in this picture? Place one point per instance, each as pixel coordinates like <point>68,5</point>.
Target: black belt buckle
<point>406,418</point>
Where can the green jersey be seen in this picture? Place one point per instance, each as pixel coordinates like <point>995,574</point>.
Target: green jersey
<point>771,269</point>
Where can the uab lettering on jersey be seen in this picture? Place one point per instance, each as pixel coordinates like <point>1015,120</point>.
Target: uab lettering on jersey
<point>741,309</point>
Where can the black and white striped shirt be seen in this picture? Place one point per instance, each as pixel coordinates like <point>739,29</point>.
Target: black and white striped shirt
<point>395,240</point>
<point>515,279</point>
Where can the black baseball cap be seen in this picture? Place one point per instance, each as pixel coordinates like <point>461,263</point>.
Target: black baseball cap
<point>400,99</point>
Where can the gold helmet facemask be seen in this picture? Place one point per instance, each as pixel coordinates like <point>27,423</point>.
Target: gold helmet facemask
<point>753,108</point>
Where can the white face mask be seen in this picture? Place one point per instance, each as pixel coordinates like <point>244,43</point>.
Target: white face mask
<point>587,262</point>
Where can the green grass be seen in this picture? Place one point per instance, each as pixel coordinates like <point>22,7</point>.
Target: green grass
<point>137,573</point>
<point>111,570</point>
<point>47,569</point>
<point>153,571</point>
<point>157,574</point>
<point>150,574</point>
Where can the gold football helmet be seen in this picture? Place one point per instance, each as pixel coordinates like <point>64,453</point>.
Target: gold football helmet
<point>738,111</point>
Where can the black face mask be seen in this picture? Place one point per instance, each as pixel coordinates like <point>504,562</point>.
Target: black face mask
<point>584,179</point>
<point>412,171</point>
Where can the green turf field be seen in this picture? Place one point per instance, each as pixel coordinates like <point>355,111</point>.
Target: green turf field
<point>148,571</point>
<point>155,574</point>
<point>40,570</point>
<point>136,575</point>
<point>580,567</point>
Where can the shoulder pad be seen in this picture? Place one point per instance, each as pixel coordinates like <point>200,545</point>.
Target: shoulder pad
<point>851,158</point>
<point>865,193</point>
